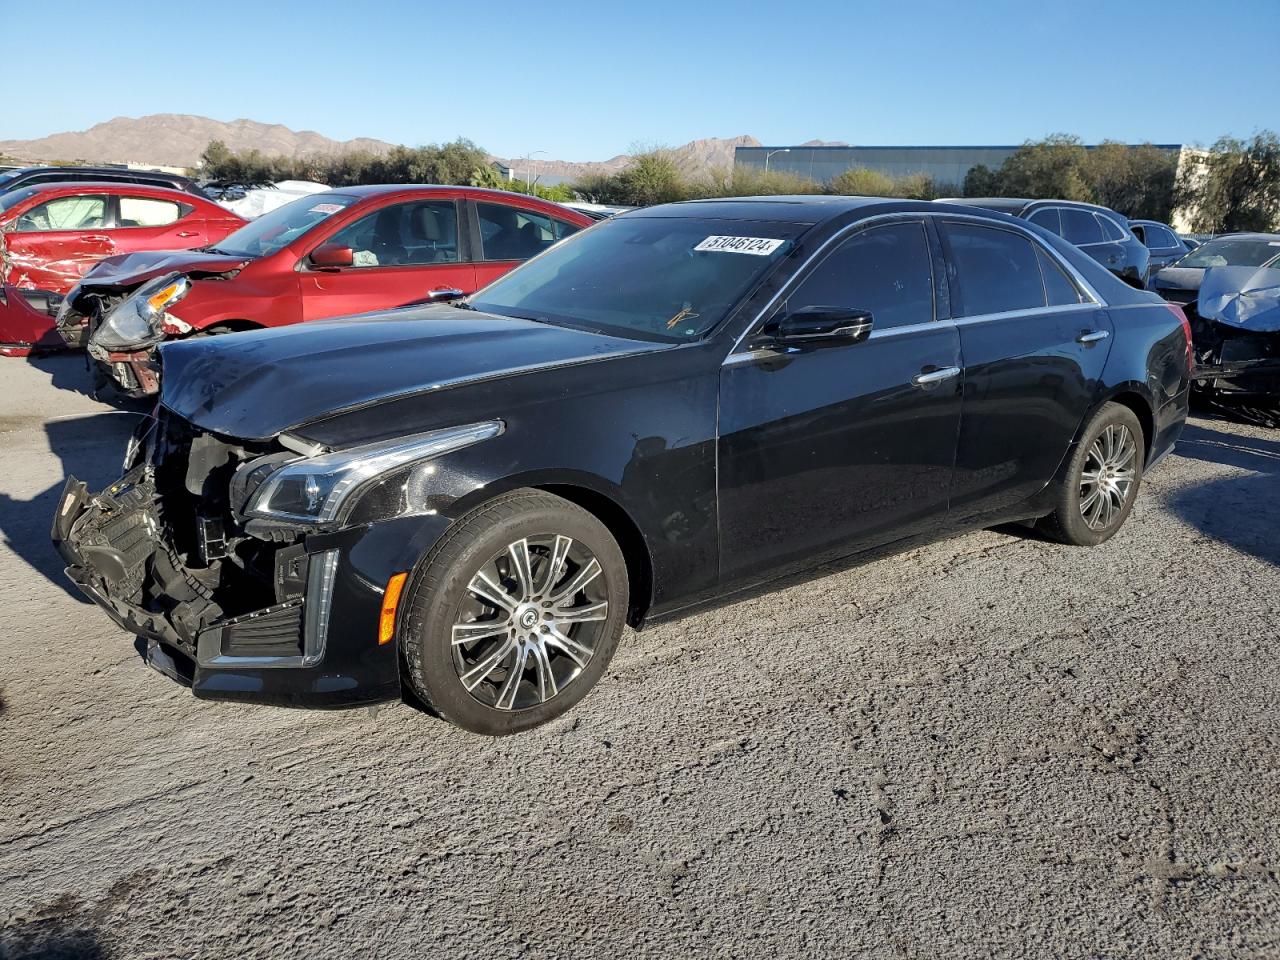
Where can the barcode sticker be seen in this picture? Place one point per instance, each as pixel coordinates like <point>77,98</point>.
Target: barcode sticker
<point>756,246</point>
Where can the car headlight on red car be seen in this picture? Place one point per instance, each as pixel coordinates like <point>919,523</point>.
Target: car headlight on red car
<point>137,321</point>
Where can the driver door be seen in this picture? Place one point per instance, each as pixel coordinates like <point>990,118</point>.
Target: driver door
<point>401,252</point>
<point>830,448</point>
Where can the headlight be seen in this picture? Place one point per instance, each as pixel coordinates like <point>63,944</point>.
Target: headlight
<point>135,322</point>
<point>313,489</point>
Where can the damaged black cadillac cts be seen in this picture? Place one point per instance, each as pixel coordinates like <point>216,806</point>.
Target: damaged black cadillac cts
<point>464,504</point>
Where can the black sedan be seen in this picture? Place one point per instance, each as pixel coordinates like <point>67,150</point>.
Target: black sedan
<point>1099,231</point>
<point>465,504</point>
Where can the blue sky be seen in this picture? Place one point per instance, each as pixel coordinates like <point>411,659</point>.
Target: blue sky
<point>588,80</point>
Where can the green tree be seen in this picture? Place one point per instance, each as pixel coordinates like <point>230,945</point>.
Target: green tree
<point>1234,186</point>
<point>1052,168</point>
<point>862,182</point>
<point>981,181</point>
<point>1135,181</point>
<point>651,177</point>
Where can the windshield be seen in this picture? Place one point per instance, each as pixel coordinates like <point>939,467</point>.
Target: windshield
<point>1232,253</point>
<point>667,279</point>
<point>274,230</point>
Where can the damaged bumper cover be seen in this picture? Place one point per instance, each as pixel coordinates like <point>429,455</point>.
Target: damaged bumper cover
<point>1236,330</point>
<point>121,558</point>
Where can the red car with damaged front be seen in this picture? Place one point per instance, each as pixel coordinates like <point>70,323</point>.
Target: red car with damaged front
<point>346,251</point>
<point>51,234</point>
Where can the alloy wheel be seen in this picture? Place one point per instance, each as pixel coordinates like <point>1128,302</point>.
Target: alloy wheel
<point>528,624</point>
<point>1108,476</point>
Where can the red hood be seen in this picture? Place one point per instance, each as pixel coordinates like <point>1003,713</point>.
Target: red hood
<point>131,269</point>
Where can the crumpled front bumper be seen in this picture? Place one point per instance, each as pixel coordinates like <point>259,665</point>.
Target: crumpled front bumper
<point>136,372</point>
<point>113,546</point>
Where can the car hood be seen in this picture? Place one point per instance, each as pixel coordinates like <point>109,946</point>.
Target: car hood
<point>258,384</point>
<point>1179,278</point>
<point>131,269</point>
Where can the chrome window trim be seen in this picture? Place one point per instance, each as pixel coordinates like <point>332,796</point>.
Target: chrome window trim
<point>1095,299</point>
<point>1032,312</point>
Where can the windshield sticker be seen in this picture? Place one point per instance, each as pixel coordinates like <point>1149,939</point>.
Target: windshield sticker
<point>325,208</point>
<point>756,246</point>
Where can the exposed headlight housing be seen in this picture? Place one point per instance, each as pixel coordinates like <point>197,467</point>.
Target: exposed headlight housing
<point>136,322</point>
<point>314,489</point>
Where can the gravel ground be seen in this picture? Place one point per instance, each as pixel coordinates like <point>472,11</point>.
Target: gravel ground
<point>992,746</point>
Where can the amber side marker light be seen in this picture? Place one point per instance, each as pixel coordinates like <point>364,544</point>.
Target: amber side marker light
<point>390,601</point>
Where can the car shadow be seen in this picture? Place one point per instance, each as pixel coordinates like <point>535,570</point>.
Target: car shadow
<point>90,448</point>
<point>69,370</point>
<point>51,939</point>
<point>1242,511</point>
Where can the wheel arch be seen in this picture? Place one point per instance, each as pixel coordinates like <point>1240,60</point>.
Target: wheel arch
<point>1136,399</point>
<point>603,503</point>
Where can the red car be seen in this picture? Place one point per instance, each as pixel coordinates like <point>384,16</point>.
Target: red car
<point>350,250</point>
<point>51,234</point>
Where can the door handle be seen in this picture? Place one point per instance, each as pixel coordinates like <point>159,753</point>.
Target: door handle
<point>187,233</point>
<point>96,238</point>
<point>935,376</point>
<point>1093,336</point>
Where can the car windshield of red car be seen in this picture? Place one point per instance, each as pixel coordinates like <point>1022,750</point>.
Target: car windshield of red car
<point>275,230</point>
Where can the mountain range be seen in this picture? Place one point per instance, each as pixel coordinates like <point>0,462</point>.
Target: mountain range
<point>177,140</point>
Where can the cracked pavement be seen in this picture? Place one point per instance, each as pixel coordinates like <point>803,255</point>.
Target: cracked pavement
<point>988,746</point>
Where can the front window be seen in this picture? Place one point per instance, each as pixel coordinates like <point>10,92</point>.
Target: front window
<point>403,234</point>
<point>275,230</point>
<point>666,279</point>
<point>1231,253</point>
<point>65,213</point>
<point>886,270</point>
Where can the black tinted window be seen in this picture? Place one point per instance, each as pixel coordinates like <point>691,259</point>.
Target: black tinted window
<point>997,270</point>
<point>1058,287</point>
<point>1080,226</point>
<point>1047,218</point>
<point>404,234</point>
<point>886,270</point>
<point>1110,229</point>
<point>1159,238</point>
<point>510,233</point>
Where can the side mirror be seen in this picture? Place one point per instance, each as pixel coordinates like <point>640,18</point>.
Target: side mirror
<point>331,256</point>
<point>820,324</point>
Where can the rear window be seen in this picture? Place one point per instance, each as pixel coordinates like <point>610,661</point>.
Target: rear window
<point>1080,226</point>
<point>998,270</point>
<point>1110,229</point>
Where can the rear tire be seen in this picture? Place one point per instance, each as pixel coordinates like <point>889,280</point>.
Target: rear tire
<point>515,614</point>
<point>1102,479</point>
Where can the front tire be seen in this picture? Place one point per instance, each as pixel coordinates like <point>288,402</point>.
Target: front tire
<point>1102,479</point>
<point>515,614</point>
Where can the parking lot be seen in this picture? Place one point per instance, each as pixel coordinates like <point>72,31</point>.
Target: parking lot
<point>992,745</point>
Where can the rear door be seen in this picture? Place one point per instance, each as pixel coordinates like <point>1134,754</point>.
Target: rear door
<point>52,244</point>
<point>402,251</point>
<point>828,449</point>
<point>507,234</point>
<point>1034,343</point>
<point>155,223</point>
<point>1086,231</point>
